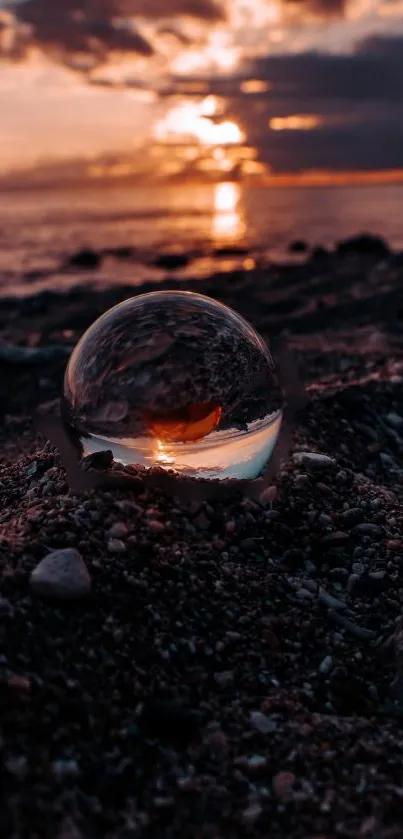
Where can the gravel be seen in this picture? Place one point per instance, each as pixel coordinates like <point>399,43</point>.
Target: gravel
<point>142,710</point>
<point>61,574</point>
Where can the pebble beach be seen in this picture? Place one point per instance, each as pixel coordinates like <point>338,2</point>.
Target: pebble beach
<point>211,670</point>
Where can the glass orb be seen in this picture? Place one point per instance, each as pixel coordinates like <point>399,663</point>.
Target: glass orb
<point>176,380</point>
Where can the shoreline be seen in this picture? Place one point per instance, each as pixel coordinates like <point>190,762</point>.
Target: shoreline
<point>224,671</point>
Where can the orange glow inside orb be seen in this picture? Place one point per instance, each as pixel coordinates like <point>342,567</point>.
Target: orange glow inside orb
<point>186,425</point>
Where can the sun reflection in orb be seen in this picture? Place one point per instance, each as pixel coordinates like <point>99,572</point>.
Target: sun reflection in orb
<point>163,455</point>
<point>228,221</point>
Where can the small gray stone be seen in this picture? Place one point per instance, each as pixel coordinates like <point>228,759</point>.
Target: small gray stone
<point>314,460</point>
<point>262,723</point>
<point>61,574</point>
<point>352,581</point>
<point>326,665</point>
<point>225,678</point>
<point>118,530</point>
<point>6,609</point>
<point>116,546</point>
<point>395,420</point>
<point>368,529</point>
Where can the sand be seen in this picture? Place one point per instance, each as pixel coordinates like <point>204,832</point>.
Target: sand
<point>229,669</point>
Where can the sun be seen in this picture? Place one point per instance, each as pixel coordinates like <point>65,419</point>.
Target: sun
<point>200,122</point>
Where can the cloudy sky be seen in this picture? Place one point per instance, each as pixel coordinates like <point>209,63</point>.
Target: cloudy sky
<point>305,84</point>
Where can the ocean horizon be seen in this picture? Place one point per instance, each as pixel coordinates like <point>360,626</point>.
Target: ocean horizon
<point>219,226</point>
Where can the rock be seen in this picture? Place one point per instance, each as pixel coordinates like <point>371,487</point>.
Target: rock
<point>116,546</point>
<point>352,582</point>
<point>118,530</point>
<point>230,250</point>
<point>33,355</point>
<point>6,609</point>
<point>65,768</point>
<point>225,678</point>
<point>283,783</point>
<point>251,814</point>
<point>368,529</point>
<point>395,420</point>
<point>364,244</point>
<point>171,261</point>
<point>313,460</point>
<point>98,460</point>
<point>256,762</point>
<point>17,765</point>
<point>326,665</point>
<point>61,574</point>
<point>268,495</point>
<point>85,258</point>
<point>262,723</point>
<point>298,246</point>
<point>352,516</point>
<point>157,526</point>
<point>319,253</point>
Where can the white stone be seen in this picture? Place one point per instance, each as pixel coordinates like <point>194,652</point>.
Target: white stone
<point>61,574</point>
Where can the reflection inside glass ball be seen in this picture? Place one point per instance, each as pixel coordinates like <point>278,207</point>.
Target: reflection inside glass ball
<point>177,380</point>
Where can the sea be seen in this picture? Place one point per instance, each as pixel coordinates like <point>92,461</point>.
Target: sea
<point>214,227</point>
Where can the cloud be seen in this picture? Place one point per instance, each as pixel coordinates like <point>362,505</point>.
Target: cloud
<point>94,28</point>
<point>320,8</point>
<point>87,32</point>
<point>358,98</point>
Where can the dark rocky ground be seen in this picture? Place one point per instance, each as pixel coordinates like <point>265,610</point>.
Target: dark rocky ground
<point>227,673</point>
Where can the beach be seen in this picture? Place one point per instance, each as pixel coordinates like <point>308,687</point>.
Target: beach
<point>229,668</point>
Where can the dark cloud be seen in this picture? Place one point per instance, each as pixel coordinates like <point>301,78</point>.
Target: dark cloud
<point>359,99</point>
<point>93,29</point>
<point>321,8</point>
<point>374,71</point>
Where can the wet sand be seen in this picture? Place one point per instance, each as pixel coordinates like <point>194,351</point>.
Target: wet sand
<point>223,669</point>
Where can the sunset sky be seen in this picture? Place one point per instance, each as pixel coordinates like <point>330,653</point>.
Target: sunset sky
<point>268,85</point>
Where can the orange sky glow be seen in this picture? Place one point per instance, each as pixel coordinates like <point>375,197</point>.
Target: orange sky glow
<point>217,90</point>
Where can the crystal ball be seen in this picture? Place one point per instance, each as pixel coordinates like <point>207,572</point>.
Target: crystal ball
<point>176,380</point>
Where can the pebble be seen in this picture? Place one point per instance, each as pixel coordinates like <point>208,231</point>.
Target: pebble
<point>156,526</point>
<point>368,529</point>
<point>326,665</point>
<point>252,813</point>
<point>352,582</point>
<point>268,495</point>
<point>118,530</point>
<point>283,783</point>
<point>17,765</point>
<point>6,609</point>
<point>394,545</point>
<point>256,762</point>
<point>61,574</point>
<point>353,628</point>
<point>394,419</point>
<point>262,723</point>
<point>225,678</point>
<point>351,516</point>
<point>116,546</point>
<point>328,600</point>
<point>65,768</point>
<point>314,460</point>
